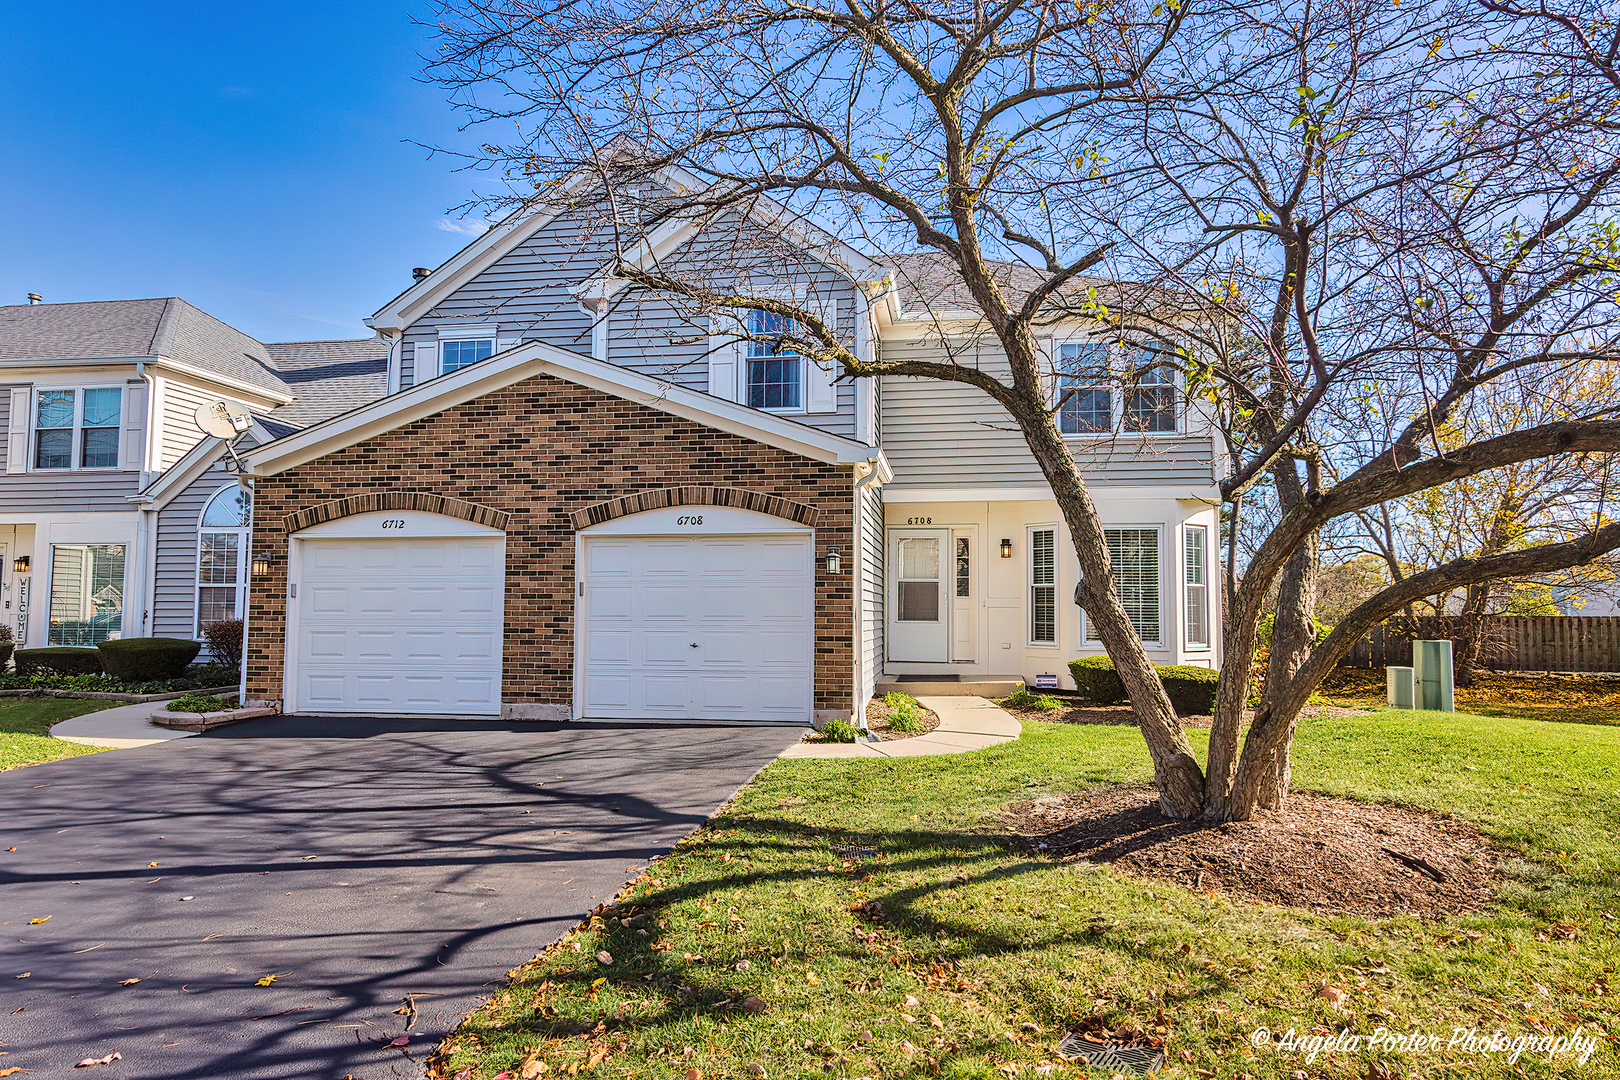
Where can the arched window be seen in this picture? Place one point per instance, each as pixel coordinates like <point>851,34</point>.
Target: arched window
<point>222,553</point>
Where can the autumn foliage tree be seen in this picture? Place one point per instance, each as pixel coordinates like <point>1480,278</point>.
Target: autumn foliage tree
<point>1289,202</point>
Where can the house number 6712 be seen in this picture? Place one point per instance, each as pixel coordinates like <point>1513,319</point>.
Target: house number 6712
<point>394,523</point>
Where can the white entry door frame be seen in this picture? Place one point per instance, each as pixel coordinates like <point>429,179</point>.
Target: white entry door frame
<point>919,600</point>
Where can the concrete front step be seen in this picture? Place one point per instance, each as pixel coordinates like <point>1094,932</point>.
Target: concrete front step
<point>985,688</point>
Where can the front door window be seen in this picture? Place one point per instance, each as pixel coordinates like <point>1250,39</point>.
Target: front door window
<point>919,579</point>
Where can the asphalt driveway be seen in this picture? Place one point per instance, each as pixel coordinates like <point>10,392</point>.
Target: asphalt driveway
<point>283,888</point>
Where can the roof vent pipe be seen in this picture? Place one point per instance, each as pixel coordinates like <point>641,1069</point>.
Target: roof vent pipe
<point>34,298</point>
<point>419,272</point>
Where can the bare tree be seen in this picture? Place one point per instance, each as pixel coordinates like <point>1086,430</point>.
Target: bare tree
<point>1289,202</point>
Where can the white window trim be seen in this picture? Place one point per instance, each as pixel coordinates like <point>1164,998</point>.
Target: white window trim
<point>1029,586</point>
<point>244,540</point>
<point>460,338</point>
<point>124,627</point>
<point>1187,587</point>
<point>75,450</point>
<point>1086,642</point>
<point>1118,393</point>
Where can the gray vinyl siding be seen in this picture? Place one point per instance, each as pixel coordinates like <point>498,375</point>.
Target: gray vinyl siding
<point>526,296</point>
<point>526,292</point>
<point>943,434</point>
<point>174,586</point>
<point>63,489</point>
<point>179,421</point>
<point>872,586</point>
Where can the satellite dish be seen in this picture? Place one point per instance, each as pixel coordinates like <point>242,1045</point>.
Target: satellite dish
<point>223,419</point>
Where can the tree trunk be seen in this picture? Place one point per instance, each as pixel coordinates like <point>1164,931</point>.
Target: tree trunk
<point>1475,601</point>
<point>1293,635</point>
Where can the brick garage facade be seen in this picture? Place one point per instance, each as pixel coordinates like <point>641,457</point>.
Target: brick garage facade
<point>541,451</point>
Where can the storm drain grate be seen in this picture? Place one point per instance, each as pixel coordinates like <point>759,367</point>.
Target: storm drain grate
<point>853,852</point>
<point>1109,1056</point>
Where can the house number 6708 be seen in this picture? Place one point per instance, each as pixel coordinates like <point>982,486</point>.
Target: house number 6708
<point>394,523</point>
<point>689,519</point>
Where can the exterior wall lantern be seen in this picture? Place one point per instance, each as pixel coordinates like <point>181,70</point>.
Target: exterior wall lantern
<point>20,564</point>
<point>1006,549</point>
<point>261,564</point>
<point>835,564</point>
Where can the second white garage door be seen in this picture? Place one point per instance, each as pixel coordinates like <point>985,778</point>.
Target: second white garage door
<point>698,628</point>
<point>398,626</point>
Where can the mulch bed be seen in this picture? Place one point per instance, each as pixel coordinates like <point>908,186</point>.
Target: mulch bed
<point>1328,855</point>
<point>877,719</point>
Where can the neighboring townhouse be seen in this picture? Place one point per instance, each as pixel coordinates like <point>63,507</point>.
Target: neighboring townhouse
<point>579,500</point>
<point>117,517</point>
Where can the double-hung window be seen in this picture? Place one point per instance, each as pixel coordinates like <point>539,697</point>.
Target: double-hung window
<point>775,372</point>
<point>222,549</point>
<point>455,355</point>
<point>1085,399</point>
<point>1134,554</point>
<point>1043,586</point>
<point>1150,404</point>
<point>77,429</point>
<point>1197,562</point>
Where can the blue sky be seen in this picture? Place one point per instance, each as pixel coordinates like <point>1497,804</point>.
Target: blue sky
<point>256,159</point>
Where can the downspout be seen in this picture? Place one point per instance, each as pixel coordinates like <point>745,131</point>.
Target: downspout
<point>246,483</point>
<point>145,531</point>
<point>865,473</point>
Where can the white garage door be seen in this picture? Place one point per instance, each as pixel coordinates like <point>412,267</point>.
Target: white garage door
<point>406,625</point>
<point>698,628</point>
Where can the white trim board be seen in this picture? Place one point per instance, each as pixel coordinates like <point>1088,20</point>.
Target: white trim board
<point>538,358</point>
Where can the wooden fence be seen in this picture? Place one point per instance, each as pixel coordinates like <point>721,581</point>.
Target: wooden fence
<point>1512,642</point>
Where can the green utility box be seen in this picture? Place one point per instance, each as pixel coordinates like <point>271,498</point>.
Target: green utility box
<point>1398,683</point>
<point>1432,685</point>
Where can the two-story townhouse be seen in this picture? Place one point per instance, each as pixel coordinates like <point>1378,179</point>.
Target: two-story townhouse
<point>583,500</point>
<point>117,517</point>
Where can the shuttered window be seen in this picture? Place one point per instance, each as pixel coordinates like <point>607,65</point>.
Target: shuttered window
<point>1135,556</point>
<point>1043,586</point>
<point>1197,560</point>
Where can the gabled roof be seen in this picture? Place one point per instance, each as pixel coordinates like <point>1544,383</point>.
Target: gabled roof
<point>116,329</point>
<point>538,358</point>
<point>500,239</point>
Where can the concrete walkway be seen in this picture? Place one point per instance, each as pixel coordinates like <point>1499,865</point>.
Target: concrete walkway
<point>965,723</point>
<point>119,727</point>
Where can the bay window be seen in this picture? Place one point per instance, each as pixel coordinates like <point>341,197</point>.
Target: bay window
<point>1134,554</point>
<point>87,594</point>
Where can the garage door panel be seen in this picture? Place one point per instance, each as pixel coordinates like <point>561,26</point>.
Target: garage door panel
<point>399,626</point>
<point>747,602</point>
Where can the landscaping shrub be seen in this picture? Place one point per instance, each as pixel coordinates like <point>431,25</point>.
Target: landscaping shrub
<point>1191,689</point>
<point>148,659</point>
<point>225,642</point>
<point>1025,698</point>
<point>840,731</point>
<point>198,703</point>
<point>1094,678</point>
<point>5,645</point>
<point>905,713</point>
<point>58,660</point>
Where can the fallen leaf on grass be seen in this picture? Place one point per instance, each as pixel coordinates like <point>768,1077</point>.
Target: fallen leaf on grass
<point>108,1060</point>
<point>911,1002</point>
<point>604,958</point>
<point>1335,996</point>
<point>36,922</point>
<point>694,1074</point>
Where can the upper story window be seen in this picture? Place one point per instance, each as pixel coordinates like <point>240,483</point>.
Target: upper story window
<point>455,355</point>
<point>1101,390</point>
<point>78,428</point>
<point>775,372</point>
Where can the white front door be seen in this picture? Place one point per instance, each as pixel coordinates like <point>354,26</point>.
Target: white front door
<point>398,625</point>
<point>697,627</point>
<point>919,600</point>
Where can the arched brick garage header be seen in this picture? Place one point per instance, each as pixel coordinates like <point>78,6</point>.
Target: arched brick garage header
<point>395,500</point>
<point>659,498</point>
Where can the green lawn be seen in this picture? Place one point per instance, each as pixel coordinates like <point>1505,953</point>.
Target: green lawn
<point>991,944</point>
<point>25,725</point>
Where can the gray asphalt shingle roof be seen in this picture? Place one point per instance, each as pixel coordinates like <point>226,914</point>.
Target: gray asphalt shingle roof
<point>166,326</point>
<point>324,377</point>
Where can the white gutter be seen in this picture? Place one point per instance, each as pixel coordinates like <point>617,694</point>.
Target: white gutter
<point>247,593</point>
